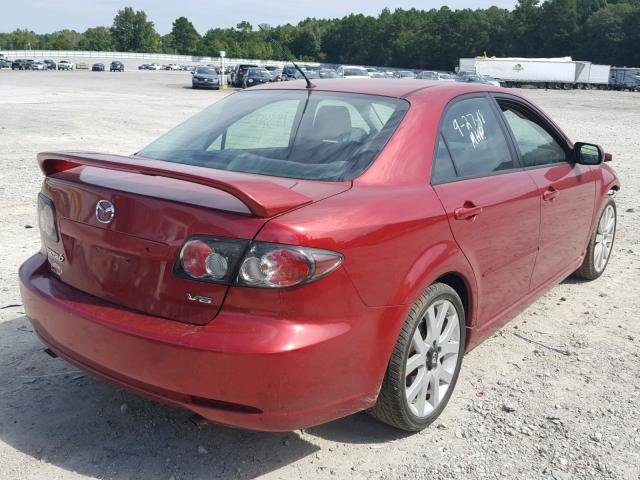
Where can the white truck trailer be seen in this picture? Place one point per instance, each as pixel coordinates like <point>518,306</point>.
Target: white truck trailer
<point>562,72</point>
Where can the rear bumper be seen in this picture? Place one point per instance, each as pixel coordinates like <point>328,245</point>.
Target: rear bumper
<point>239,370</point>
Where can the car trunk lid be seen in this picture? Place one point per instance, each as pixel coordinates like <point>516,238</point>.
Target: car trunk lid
<point>158,205</point>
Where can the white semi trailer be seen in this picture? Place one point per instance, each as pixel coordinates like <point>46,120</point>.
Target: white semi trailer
<point>562,72</point>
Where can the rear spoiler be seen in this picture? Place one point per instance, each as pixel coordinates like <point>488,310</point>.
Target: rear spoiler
<point>264,198</point>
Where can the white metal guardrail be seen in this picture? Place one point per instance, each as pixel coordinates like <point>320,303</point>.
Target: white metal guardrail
<point>161,58</point>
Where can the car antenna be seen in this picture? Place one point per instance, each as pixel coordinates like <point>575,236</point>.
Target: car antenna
<point>289,57</point>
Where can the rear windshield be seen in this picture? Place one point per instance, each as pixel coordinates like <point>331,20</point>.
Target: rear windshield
<point>296,134</point>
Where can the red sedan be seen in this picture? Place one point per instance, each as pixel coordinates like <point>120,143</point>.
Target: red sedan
<point>293,255</point>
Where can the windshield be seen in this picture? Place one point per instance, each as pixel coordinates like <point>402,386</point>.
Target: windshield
<point>296,134</point>
<point>206,71</point>
<point>355,72</point>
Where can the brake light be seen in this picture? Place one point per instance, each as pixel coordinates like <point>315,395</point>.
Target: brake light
<point>264,265</point>
<point>47,218</point>
<point>271,265</point>
<point>209,258</point>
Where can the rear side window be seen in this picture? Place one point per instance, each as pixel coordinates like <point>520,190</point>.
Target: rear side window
<point>442,170</point>
<point>537,146</point>
<point>476,142</point>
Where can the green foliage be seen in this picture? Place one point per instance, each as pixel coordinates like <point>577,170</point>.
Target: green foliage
<point>132,32</point>
<point>96,39</point>
<point>185,38</point>
<point>603,31</point>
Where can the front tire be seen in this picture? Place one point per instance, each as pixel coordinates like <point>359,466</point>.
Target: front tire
<point>425,363</point>
<point>601,243</point>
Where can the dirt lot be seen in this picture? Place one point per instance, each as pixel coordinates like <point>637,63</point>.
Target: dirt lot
<point>521,410</point>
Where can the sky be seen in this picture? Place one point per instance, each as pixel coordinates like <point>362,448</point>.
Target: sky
<point>45,16</point>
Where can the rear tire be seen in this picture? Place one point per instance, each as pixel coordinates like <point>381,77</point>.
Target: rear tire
<point>601,243</point>
<point>422,359</point>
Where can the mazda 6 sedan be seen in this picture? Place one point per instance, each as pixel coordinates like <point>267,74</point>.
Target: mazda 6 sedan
<point>292,255</point>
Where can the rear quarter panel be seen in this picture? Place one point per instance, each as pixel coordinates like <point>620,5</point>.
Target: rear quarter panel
<point>395,240</point>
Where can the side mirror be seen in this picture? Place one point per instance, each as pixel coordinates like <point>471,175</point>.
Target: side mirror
<point>192,72</point>
<point>588,153</point>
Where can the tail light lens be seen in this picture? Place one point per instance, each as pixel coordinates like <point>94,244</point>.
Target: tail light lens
<point>259,264</point>
<point>271,265</point>
<point>210,259</point>
<point>47,218</point>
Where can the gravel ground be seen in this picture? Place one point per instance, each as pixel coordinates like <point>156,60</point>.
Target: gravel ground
<point>554,395</point>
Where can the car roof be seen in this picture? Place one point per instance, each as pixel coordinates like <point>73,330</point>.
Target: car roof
<point>391,87</point>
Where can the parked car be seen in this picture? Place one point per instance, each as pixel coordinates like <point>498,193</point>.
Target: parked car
<point>5,63</point>
<point>446,77</point>
<point>144,66</point>
<point>238,76</point>
<point>470,77</point>
<point>289,72</point>
<point>428,75</point>
<point>327,73</point>
<point>404,74</point>
<point>38,66</point>
<point>65,65</point>
<point>276,75</point>
<point>349,71</point>
<point>50,64</point>
<point>435,75</point>
<point>97,67</point>
<point>82,66</point>
<point>255,76</point>
<point>20,64</point>
<point>310,74</point>
<point>375,73</point>
<point>154,66</point>
<point>205,77</point>
<point>116,66</point>
<point>310,253</point>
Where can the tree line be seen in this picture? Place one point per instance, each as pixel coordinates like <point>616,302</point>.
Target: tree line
<point>602,31</point>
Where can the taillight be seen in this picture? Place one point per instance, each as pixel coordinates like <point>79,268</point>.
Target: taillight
<point>272,265</point>
<point>47,218</point>
<point>211,259</point>
<point>264,265</point>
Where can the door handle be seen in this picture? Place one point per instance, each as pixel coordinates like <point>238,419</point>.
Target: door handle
<point>467,212</point>
<point>549,194</point>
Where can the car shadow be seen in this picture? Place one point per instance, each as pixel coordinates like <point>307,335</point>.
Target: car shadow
<point>357,429</point>
<point>571,280</point>
<point>59,415</point>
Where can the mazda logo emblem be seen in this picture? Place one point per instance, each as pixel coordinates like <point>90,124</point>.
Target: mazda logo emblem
<point>105,211</point>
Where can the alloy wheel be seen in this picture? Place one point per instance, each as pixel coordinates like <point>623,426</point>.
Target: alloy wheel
<point>604,238</point>
<point>432,359</point>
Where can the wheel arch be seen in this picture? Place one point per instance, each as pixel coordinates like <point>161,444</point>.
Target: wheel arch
<point>447,264</point>
<point>457,281</point>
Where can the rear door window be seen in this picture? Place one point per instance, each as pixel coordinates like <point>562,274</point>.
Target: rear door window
<point>476,142</point>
